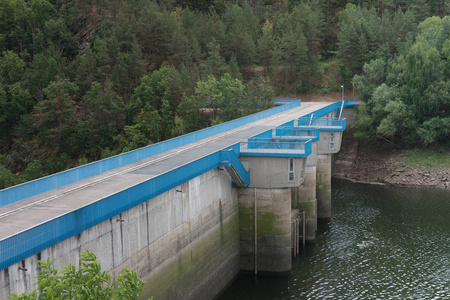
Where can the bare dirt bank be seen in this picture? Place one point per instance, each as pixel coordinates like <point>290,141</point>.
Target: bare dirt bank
<point>383,165</point>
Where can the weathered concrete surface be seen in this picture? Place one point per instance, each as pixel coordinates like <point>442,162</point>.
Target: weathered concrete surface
<point>185,245</point>
<point>305,195</point>
<point>325,147</point>
<point>349,114</point>
<point>323,187</point>
<point>273,229</point>
<point>272,172</point>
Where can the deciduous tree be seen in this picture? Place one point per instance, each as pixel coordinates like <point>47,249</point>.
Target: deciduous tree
<point>87,281</point>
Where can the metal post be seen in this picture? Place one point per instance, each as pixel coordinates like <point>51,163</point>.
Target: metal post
<point>293,241</point>
<point>304,227</point>
<point>310,120</point>
<point>342,109</point>
<point>256,236</point>
<point>297,238</point>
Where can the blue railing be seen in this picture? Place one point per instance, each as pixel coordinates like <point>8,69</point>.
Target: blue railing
<point>38,186</point>
<point>230,158</point>
<point>265,134</point>
<point>269,147</point>
<point>34,240</point>
<point>332,108</point>
<point>304,133</point>
<point>331,124</point>
<point>27,243</point>
<point>284,101</point>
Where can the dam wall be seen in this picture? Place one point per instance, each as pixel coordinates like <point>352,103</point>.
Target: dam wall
<point>183,243</point>
<point>188,219</point>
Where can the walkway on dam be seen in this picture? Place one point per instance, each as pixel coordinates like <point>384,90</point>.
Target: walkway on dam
<point>25,214</point>
<point>21,216</point>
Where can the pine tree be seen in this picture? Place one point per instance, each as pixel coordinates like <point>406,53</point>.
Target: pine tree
<point>55,116</point>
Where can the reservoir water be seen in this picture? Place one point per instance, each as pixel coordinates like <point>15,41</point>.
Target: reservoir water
<point>382,243</point>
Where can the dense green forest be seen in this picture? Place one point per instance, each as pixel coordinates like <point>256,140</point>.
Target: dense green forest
<point>83,80</point>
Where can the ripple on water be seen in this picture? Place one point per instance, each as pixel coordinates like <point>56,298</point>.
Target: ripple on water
<point>382,243</point>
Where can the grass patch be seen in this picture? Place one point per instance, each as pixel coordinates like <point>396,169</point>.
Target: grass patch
<point>431,158</point>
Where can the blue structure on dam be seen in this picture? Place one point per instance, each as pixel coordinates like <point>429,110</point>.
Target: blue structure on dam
<point>187,214</point>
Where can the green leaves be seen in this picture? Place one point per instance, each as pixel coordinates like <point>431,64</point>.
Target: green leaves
<point>364,33</point>
<point>408,97</point>
<point>435,130</point>
<point>55,115</point>
<point>86,282</point>
<point>11,67</point>
<point>143,67</point>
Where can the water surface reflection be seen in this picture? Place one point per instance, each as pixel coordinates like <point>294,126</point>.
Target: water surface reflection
<point>381,243</point>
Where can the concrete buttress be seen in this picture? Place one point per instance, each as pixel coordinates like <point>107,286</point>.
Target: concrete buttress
<point>323,187</point>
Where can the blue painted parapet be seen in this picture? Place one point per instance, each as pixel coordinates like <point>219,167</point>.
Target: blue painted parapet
<point>284,101</point>
<point>34,240</point>
<point>334,107</point>
<point>269,147</point>
<point>299,132</point>
<point>229,159</point>
<point>328,124</point>
<point>27,243</point>
<point>48,183</point>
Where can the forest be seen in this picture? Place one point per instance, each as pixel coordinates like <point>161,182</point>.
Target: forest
<point>87,79</point>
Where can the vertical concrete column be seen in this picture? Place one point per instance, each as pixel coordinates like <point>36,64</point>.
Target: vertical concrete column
<point>323,187</point>
<point>273,234</point>
<point>306,195</point>
<point>306,201</point>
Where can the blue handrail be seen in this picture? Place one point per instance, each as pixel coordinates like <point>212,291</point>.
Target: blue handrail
<point>48,183</point>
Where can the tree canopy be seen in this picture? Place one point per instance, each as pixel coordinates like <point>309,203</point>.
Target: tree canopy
<point>408,95</point>
<point>85,282</point>
<point>83,80</point>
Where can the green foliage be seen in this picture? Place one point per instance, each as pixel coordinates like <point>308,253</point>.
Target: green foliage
<point>266,43</point>
<point>408,97</point>
<point>223,96</point>
<point>424,158</point>
<point>398,121</point>
<point>54,116</point>
<point>214,64</point>
<point>258,96</point>
<point>42,71</point>
<point>364,126</point>
<point>85,282</point>
<point>34,170</point>
<point>374,75</point>
<point>435,129</point>
<point>12,67</point>
<point>3,104</point>
<point>364,34</point>
<point>104,118</point>
<point>191,114</point>
<point>7,178</point>
<point>119,75</point>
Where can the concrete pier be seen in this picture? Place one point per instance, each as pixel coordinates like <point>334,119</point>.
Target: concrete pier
<point>268,250</point>
<point>265,213</point>
<point>323,187</point>
<point>183,243</point>
<point>171,211</point>
<point>305,195</point>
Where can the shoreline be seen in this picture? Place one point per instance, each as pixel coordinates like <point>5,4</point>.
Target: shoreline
<point>382,165</point>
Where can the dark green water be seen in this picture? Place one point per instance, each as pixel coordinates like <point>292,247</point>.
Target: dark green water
<point>381,243</point>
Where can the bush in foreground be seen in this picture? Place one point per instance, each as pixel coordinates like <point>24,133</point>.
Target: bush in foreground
<point>85,282</point>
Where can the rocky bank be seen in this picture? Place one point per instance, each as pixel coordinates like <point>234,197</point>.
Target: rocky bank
<point>382,165</point>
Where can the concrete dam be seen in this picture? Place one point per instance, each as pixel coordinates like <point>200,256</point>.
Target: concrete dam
<point>188,214</point>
